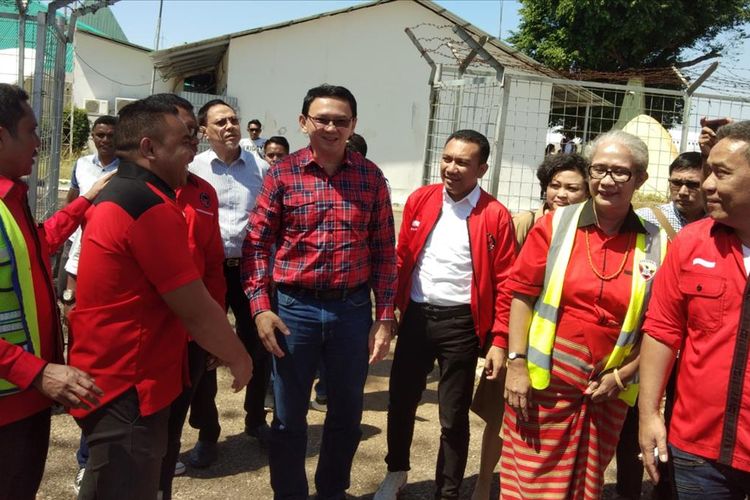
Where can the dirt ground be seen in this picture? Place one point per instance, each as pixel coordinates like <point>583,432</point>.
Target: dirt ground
<point>242,469</point>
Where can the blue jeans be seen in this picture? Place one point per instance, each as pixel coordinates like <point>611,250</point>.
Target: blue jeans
<point>82,455</point>
<point>336,332</point>
<point>698,478</point>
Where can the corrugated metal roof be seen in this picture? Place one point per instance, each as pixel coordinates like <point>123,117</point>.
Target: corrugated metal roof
<point>209,52</point>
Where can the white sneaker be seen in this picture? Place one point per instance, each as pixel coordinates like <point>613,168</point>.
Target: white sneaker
<point>391,485</point>
<point>179,468</point>
<point>78,479</point>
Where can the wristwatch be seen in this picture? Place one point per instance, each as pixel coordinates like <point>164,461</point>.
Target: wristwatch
<point>68,297</point>
<point>516,355</point>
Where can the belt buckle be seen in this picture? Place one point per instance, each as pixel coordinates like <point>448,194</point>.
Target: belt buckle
<point>232,262</point>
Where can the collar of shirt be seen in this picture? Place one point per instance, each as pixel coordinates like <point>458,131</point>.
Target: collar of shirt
<point>241,160</point>
<point>7,185</point>
<point>631,224</point>
<point>470,199</point>
<point>96,161</point>
<point>305,158</point>
<point>129,170</point>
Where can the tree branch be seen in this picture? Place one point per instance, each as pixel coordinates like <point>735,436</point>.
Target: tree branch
<point>709,55</point>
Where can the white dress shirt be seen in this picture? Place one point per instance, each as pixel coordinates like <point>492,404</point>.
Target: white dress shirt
<point>86,171</point>
<point>443,274</point>
<point>237,185</point>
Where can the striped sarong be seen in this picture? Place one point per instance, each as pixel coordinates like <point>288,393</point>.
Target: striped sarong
<point>561,452</point>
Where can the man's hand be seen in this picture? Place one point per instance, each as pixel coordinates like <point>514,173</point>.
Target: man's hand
<point>707,137</point>
<point>242,371</point>
<point>68,386</point>
<point>494,362</point>
<point>267,322</point>
<point>381,334</point>
<point>603,389</point>
<point>652,434</point>
<point>97,187</point>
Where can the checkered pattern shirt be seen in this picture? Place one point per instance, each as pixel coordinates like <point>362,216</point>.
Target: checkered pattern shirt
<point>674,217</point>
<point>330,232</point>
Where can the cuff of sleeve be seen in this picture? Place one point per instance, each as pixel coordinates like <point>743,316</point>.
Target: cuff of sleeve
<point>26,368</point>
<point>259,304</point>
<point>523,288</point>
<point>667,340</point>
<point>384,312</point>
<point>500,340</point>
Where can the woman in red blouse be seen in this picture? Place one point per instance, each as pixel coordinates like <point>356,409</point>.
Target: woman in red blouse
<point>559,440</point>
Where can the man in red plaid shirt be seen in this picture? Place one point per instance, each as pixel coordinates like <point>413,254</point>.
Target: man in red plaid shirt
<point>328,211</point>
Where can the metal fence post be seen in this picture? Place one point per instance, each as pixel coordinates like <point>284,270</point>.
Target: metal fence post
<point>502,115</point>
<point>37,95</point>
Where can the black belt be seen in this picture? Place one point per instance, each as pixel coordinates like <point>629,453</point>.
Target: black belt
<point>442,312</point>
<point>233,262</point>
<point>320,293</point>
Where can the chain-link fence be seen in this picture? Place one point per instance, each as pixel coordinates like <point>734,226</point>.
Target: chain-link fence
<point>527,112</point>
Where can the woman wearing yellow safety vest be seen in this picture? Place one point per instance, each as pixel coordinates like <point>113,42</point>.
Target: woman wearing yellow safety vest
<point>563,179</point>
<point>579,289</point>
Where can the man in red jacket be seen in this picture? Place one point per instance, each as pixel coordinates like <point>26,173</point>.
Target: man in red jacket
<point>455,248</point>
<point>31,373</point>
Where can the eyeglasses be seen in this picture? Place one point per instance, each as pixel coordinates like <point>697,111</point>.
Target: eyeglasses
<point>274,155</point>
<point>337,122</point>
<point>678,183</point>
<point>230,119</point>
<point>253,130</point>
<point>618,174</point>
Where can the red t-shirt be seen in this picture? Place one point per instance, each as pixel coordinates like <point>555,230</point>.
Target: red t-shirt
<point>42,241</point>
<point>696,306</point>
<point>133,250</point>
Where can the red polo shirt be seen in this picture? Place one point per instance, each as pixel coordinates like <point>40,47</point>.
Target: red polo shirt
<point>42,241</point>
<point>200,206</point>
<point>134,249</point>
<point>700,304</point>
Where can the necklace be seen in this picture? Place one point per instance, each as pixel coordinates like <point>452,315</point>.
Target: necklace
<point>601,275</point>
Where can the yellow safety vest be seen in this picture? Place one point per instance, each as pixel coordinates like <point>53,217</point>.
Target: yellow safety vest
<point>18,312</point>
<point>648,255</point>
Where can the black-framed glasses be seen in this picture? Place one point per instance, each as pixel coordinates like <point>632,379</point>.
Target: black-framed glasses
<point>618,174</point>
<point>678,183</point>
<point>253,130</point>
<point>336,122</point>
<point>229,119</point>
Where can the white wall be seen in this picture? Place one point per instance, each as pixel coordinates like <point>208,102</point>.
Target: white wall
<point>366,51</point>
<point>127,69</point>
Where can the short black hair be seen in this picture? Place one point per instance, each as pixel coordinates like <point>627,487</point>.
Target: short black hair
<point>12,98</point>
<point>332,91</point>
<point>561,162</point>
<point>474,137</point>
<point>203,112</point>
<point>171,100</point>
<point>357,143</point>
<point>139,119</point>
<point>254,121</point>
<point>105,120</point>
<point>277,139</point>
<point>691,160</point>
<point>736,131</point>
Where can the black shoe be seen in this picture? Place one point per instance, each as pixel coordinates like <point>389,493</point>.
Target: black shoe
<point>262,433</point>
<point>203,455</point>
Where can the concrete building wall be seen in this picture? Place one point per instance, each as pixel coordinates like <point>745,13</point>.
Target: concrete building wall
<point>105,69</point>
<point>364,50</point>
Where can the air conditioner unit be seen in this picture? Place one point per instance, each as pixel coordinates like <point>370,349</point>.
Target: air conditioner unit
<point>96,106</point>
<point>121,102</point>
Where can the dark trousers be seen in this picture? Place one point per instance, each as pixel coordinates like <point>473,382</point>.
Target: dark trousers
<point>428,334</point>
<point>125,450</point>
<point>24,451</point>
<point>698,478</point>
<point>629,468</point>
<point>177,414</point>
<point>203,413</point>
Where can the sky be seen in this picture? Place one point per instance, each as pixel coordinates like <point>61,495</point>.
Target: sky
<point>186,21</point>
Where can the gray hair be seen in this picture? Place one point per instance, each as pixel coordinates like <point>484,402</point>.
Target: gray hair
<point>638,149</point>
<point>737,131</point>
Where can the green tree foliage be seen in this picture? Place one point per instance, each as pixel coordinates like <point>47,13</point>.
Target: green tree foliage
<point>81,128</point>
<point>615,35</point>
